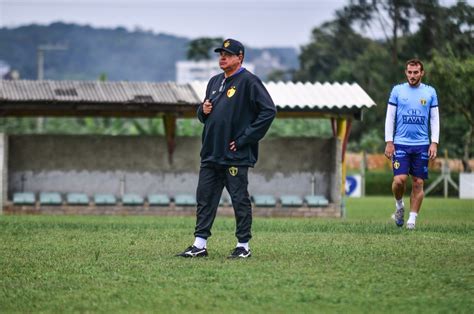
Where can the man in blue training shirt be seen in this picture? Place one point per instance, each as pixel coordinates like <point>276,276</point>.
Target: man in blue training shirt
<point>237,112</point>
<point>412,137</point>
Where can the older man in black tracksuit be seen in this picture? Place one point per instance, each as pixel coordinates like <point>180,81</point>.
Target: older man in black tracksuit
<point>236,113</point>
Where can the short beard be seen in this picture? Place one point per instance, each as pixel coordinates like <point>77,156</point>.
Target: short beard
<point>415,84</point>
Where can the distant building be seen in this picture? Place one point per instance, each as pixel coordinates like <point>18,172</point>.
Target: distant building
<point>7,73</point>
<point>4,68</point>
<point>189,71</point>
<point>12,75</point>
<point>267,63</point>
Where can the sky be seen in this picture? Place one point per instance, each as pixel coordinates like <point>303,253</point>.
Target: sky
<point>258,23</point>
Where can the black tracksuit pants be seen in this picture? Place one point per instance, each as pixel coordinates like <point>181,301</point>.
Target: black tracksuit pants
<point>212,179</point>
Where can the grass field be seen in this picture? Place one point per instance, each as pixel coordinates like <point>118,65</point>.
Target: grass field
<point>126,264</point>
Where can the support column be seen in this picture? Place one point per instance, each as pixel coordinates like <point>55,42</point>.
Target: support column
<point>169,121</point>
<point>341,135</point>
<point>3,170</point>
<point>343,130</point>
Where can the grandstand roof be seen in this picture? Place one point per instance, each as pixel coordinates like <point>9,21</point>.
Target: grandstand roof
<point>95,98</point>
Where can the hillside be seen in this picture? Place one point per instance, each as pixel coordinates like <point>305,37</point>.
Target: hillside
<point>118,53</point>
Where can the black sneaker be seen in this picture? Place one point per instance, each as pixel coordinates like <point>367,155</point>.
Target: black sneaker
<point>193,251</point>
<point>240,252</point>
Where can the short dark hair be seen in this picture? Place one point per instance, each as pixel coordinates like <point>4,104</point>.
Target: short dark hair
<point>414,62</point>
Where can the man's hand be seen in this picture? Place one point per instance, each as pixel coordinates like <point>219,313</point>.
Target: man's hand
<point>232,146</point>
<point>433,150</point>
<point>389,150</point>
<point>207,107</point>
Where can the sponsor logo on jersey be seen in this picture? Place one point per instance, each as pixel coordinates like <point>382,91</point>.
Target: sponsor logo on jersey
<point>414,112</point>
<point>413,119</point>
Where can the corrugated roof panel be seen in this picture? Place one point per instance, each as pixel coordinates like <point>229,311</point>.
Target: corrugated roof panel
<point>65,90</point>
<point>165,92</point>
<point>284,94</point>
<point>317,95</point>
<point>199,88</point>
<point>12,91</point>
<point>32,90</point>
<point>185,93</point>
<point>89,91</point>
<point>132,89</point>
<point>113,91</point>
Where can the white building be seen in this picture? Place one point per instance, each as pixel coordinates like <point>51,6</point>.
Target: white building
<point>266,63</point>
<point>189,71</point>
<point>4,68</point>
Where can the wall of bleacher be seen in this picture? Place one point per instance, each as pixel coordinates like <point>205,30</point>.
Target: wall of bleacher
<point>139,164</point>
<point>107,164</point>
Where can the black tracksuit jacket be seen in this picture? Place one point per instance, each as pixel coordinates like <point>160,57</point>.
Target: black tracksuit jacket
<point>242,112</point>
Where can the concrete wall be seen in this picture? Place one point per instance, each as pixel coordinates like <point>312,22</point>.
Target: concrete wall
<point>112,164</point>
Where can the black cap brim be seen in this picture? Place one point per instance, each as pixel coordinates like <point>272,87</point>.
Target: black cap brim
<point>224,49</point>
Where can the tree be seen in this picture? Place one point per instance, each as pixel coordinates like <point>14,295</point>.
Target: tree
<point>331,43</point>
<point>460,29</point>
<point>374,14</point>
<point>376,76</point>
<point>200,48</point>
<point>453,78</point>
<point>441,29</point>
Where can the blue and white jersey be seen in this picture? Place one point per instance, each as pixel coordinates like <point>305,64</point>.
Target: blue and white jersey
<point>412,118</point>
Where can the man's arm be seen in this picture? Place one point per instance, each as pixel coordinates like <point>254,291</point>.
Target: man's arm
<point>266,113</point>
<point>201,116</point>
<point>434,127</point>
<point>204,110</point>
<point>389,128</point>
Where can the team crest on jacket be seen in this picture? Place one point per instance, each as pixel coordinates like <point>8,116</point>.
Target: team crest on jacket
<point>233,171</point>
<point>231,91</point>
<point>423,101</point>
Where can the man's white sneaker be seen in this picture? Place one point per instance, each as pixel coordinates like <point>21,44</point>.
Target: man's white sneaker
<point>410,225</point>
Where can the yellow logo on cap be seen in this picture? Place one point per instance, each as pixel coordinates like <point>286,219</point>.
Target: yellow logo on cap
<point>423,101</point>
<point>233,171</point>
<point>226,44</point>
<point>396,165</point>
<point>231,91</point>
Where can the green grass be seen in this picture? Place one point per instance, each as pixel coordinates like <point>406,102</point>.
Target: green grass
<point>126,264</point>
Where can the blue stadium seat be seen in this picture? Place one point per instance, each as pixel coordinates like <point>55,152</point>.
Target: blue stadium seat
<point>291,201</point>
<point>132,200</point>
<point>185,200</point>
<point>316,200</point>
<point>77,199</point>
<point>105,199</point>
<point>50,198</point>
<point>264,200</point>
<point>158,200</point>
<point>24,198</point>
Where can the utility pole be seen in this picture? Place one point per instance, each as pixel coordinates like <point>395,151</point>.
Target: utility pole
<point>41,49</point>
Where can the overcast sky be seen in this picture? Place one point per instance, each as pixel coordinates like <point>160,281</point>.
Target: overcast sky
<point>258,23</point>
